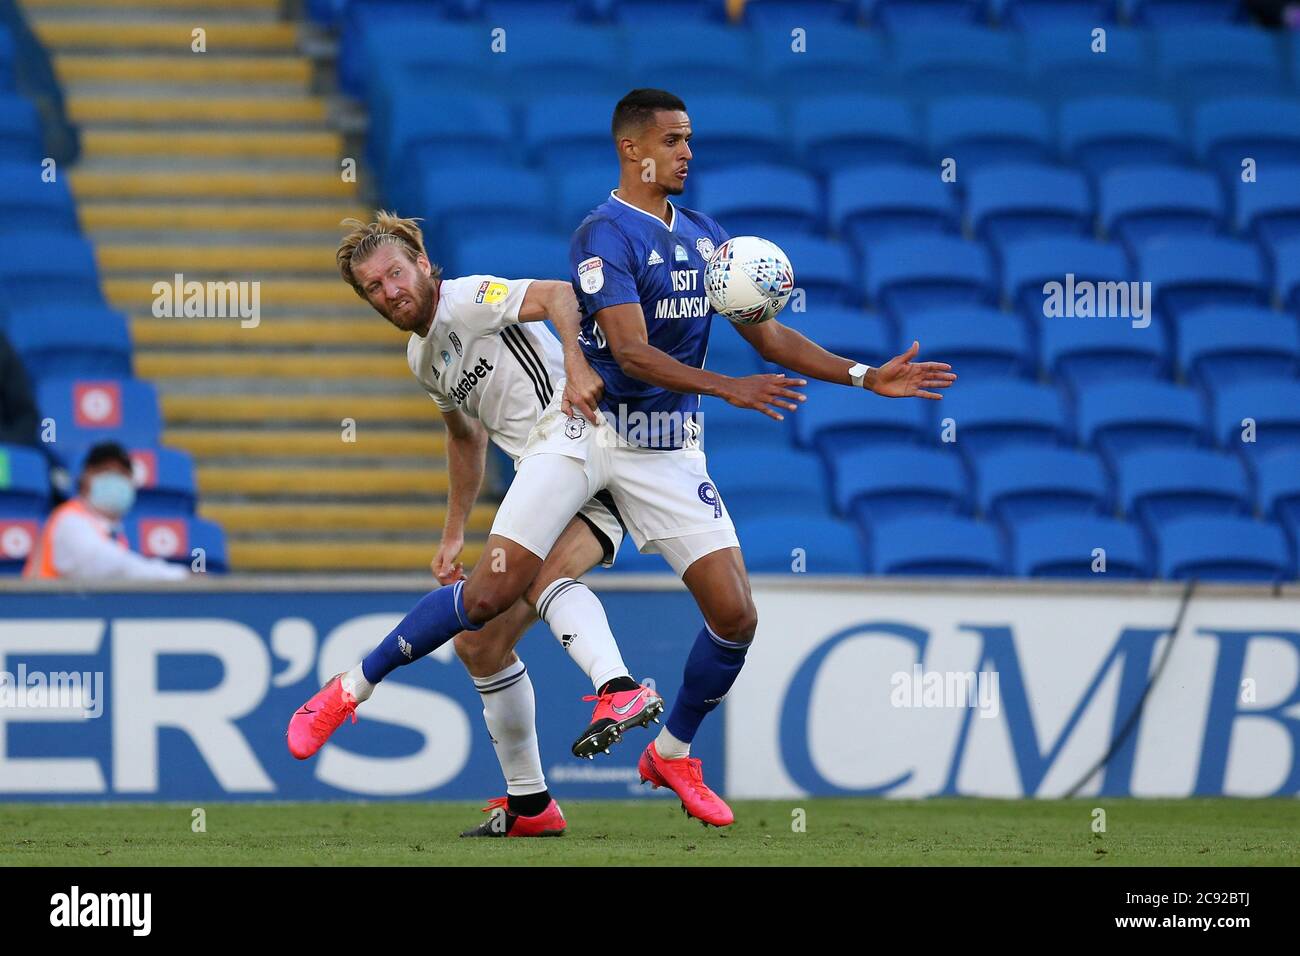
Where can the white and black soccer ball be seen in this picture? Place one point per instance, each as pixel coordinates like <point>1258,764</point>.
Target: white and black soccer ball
<point>748,280</point>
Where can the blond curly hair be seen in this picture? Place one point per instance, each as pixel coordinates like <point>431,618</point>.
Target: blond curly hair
<point>364,238</point>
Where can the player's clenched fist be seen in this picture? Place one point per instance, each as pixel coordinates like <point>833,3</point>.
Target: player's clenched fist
<point>444,565</point>
<point>761,391</point>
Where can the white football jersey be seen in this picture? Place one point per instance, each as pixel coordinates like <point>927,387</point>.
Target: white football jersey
<point>480,359</point>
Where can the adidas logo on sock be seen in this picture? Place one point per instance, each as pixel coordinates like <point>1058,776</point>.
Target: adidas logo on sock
<point>655,259</point>
<point>567,639</point>
<point>405,647</point>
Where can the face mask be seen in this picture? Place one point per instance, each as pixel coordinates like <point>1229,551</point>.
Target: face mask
<point>111,493</point>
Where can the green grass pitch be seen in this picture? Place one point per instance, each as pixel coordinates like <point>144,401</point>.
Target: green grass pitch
<point>1199,832</point>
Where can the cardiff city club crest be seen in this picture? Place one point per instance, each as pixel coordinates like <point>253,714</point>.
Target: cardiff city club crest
<point>705,245</point>
<point>573,428</point>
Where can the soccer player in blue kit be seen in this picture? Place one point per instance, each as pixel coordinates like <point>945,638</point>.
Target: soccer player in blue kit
<point>637,265</point>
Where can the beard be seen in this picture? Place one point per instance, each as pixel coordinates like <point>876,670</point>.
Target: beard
<point>418,312</point>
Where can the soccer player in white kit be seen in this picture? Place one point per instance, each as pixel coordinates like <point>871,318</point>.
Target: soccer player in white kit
<point>491,367</point>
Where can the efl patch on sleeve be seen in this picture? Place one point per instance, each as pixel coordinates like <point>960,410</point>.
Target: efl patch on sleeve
<point>491,292</point>
<point>591,274</point>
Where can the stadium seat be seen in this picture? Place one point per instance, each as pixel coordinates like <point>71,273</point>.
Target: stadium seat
<point>1278,483</point>
<point>61,340</point>
<point>691,58</point>
<point>514,254</point>
<point>918,14</point>
<point>578,191</point>
<point>654,14</point>
<point>834,416</point>
<point>466,202</point>
<point>20,129</point>
<point>735,130</point>
<point>1151,202</point>
<point>1174,13</point>
<point>1266,129</point>
<point>840,131</point>
<point>1082,351</point>
<point>1063,63</point>
<point>833,58</point>
<point>977,341</point>
<point>768,482</point>
<point>1028,265</point>
<point>1219,548</point>
<point>1218,60</point>
<point>1187,273</point>
<point>1286,255</point>
<point>778,544</point>
<point>1269,209</point>
<point>1119,416</point>
<point>842,331</point>
<point>39,267</point>
<point>729,353</point>
<point>784,14</point>
<point>86,411</point>
<point>935,60</point>
<point>873,484</point>
<point>567,131</point>
<point>18,535</point>
<point>823,268</point>
<point>1159,484</point>
<point>1010,202</point>
<point>1065,546</point>
<point>560,56</point>
<point>980,131</point>
<point>996,413</point>
<point>1023,482</point>
<point>911,273</point>
<point>1050,14</point>
<point>1103,133</point>
<point>376,51</point>
<point>866,204</point>
<point>1273,406</point>
<point>25,198</point>
<point>1223,345</point>
<point>24,482</point>
<point>164,479</point>
<point>175,538</point>
<point>936,545</point>
<point>759,200</point>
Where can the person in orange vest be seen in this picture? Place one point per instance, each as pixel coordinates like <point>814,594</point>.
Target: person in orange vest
<point>83,539</point>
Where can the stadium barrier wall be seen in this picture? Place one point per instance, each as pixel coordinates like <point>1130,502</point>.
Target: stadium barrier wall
<point>891,687</point>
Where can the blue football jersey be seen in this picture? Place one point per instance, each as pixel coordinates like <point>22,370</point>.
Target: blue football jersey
<point>623,254</point>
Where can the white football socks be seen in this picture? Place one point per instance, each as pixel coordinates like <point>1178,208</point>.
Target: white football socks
<point>669,747</point>
<point>510,711</point>
<point>355,683</point>
<point>577,619</point>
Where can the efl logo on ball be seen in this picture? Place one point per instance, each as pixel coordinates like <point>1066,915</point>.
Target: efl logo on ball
<point>748,280</point>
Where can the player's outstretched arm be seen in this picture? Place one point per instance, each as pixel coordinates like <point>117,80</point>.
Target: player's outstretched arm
<point>554,300</point>
<point>900,377</point>
<point>467,442</point>
<point>624,330</point>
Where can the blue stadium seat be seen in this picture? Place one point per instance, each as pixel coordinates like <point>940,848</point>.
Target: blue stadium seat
<point>1064,546</point>
<point>977,341</point>
<point>1187,273</point>
<point>86,411</point>
<point>729,353</point>
<point>839,131</point>
<point>382,51</point>
<point>734,130</point>
<point>1221,548</point>
<point>874,484</point>
<point>1001,412</point>
<point>467,202</point>
<point>918,14</point>
<point>935,60</point>
<point>464,131</point>
<point>1218,60</point>
<point>20,129</point>
<point>174,538</point>
<point>653,14</point>
<point>1174,13</point>
<point>7,52</point>
<point>513,12</point>
<point>936,544</point>
<point>514,254</point>
<point>24,482</point>
<point>1223,345</point>
<point>1266,129</point>
<point>1269,209</point>
<point>567,131</point>
<point>733,431</point>
<point>1027,266</point>
<point>1103,133</point>
<point>1010,202</point>
<point>25,199</point>
<point>165,482</point>
<point>39,266</point>
<point>1063,64</point>
<point>911,273</point>
<point>785,14</point>
<point>770,482</point>
<point>833,58</point>
<point>1159,484</point>
<point>18,535</point>
<point>1286,256</point>
<point>824,545</point>
<point>1083,351</point>
<point>1119,416</point>
<point>59,340</point>
<point>691,57</point>
<point>823,268</point>
<point>578,191</point>
<point>1023,482</point>
<point>1272,405</point>
<point>843,331</point>
<point>1278,482</point>
<point>865,204</point>
<point>834,416</point>
<point>1150,202</point>
<point>1050,14</point>
<point>759,199</point>
<point>980,131</point>
<point>559,56</point>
